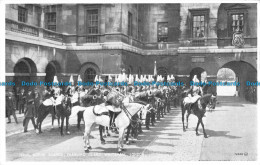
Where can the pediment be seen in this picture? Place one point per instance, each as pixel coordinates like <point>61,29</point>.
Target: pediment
<point>237,6</point>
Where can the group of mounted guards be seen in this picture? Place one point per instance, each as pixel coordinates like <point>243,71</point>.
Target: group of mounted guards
<point>119,108</point>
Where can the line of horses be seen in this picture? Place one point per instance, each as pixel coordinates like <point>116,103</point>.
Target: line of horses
<point>92,109</point>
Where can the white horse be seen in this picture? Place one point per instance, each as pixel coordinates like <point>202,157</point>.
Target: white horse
<point>99,115</point>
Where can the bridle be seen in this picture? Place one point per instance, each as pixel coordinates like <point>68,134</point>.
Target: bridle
<point>128,114</point>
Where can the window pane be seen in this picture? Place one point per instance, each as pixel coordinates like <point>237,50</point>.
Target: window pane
<point>198,26</point>
<point>162,31</point>
<point>22,14</point>
<point>92,16</point>
<point>237,22</point>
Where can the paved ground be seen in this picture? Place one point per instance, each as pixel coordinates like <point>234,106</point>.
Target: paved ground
<point>231,129</point>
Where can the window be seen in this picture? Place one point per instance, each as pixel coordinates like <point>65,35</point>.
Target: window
<point>237,18</point>
<point>130,25</point>
<point>199,23</point>
<point>22,14</point>
<point>92,21</point>
<point>162,31</point>
<point>90,75</point>
<point>51,21</point>
<point>198,26</point>
<point>237,22</point>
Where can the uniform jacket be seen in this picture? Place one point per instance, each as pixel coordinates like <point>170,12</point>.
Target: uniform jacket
<point>10,104</point>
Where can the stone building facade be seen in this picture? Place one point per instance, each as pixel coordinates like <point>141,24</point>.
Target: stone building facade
<point>89,39</point>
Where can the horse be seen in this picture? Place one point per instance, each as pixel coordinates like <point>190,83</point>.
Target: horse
<point>99,115</point>
<point>91,98</point>
<point>63,110</point>
<point>199,109</point>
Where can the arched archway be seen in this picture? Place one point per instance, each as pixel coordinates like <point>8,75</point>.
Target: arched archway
<point>139,72</point>
<point>88,71</point>
<point>24,70</point>
<point>129,70</point>
<point>200,72</point>
<point>224,76</point>
<point>52,69</point>
<point>162,71</point>
<point>89,75</point>
<point>244,72</point>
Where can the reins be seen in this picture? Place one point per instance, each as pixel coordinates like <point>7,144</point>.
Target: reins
<point>128,114</point>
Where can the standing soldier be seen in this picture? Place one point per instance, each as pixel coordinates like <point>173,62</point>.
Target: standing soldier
<point>37,101</point>
<point>29,113</point>
<point>10,106</point>
<point>21,101</point>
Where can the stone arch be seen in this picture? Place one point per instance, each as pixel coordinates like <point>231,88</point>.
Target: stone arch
<point>200,72</point>
<point>24,70</point>
<point>129,70</point>
<point>90,68</point>
<point>244,72</point>
<point>52,68</point>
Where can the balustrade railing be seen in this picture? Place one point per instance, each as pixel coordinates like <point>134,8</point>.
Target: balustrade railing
<point>52,35</point>
<point>20,27</point>
<point>23,28</point>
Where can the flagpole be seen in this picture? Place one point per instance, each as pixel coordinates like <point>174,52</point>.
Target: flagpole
<point>155,72</point>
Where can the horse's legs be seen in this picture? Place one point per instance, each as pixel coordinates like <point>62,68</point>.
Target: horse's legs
<point>67,125</point>
<point>79,119</point>
<point>127,134</point>
<point>198,126</point>
<point>108,134</point>
<point>187,119</point>
<point>182,116</point>
<point>86,138</point>
<point>121,140</point>
<point>204,132</point>
<point>62,124</point>
<point>52,119</point>
<point>58,121</point>
<point>101,134</point>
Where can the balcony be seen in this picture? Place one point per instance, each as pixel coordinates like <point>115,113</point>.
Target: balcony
<point>129,43</point>
<point>20,27</point>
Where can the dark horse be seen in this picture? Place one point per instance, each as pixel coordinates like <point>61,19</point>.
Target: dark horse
<point>63,111</point>
<point>199,109</point>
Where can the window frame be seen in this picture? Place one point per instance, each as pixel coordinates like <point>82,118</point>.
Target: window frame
<point>162,36</point>
<point>88,77</point>
<point>20,9</point>
<point>89,24</point>
<point>237,9</point>
<point>199,12</point>
<point>51,23</point>
<point>130,24</point>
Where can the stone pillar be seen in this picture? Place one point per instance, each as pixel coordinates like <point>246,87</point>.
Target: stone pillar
<point>42,25</point>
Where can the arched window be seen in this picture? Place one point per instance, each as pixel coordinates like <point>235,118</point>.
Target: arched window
<point>89,75</point>
<point>162,71</point>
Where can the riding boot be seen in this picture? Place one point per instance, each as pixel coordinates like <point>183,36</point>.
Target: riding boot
<point>112,114</point>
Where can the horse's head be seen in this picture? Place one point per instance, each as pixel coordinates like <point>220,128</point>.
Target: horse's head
<point>205,100</point>
<point>213,101</point>
<point>66,102</point>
